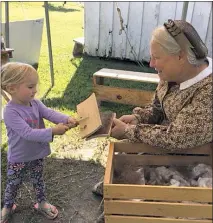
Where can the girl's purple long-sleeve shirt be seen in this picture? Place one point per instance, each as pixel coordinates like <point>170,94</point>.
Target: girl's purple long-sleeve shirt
<point>28,139</point>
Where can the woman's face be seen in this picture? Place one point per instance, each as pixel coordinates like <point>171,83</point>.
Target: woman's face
<point>168,66</point>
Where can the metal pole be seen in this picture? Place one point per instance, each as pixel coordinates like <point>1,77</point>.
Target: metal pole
<point>7,34</point>
<point>1,17</point>
<point>184,12</point>
<point>49,43</point>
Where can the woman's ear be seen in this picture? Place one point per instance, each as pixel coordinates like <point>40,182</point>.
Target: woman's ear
<point>182,57</point>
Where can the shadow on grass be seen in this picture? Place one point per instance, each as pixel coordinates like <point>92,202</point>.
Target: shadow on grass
<point>52,7</point>
<point>80,85</point>
<point>69,185</point>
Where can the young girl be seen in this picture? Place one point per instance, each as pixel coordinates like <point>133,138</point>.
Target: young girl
<point>28,139</point>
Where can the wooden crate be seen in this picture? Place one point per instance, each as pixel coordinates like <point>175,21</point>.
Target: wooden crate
<point>123,95</point>
<point>128,203</point>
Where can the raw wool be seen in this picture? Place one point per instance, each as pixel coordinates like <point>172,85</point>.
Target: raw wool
<point>165,176</point>
<point>204,182</point>
<point>178,177</point>
<point>127,174</point>
<point>201,170</point>
<point>199,175</point>
<point>164,173</point>
<point>175,183</point>
<point>202,173</point>
<point>193,183</point>
<point>142,175</point>
<point>153,178</point>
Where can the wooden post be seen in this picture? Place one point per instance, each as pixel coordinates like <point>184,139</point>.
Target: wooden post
<point>7,33</point>
<point>49,42</point>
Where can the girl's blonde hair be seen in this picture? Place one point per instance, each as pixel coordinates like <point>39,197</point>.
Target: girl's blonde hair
<point>14,73</point>
<point>161,36</point>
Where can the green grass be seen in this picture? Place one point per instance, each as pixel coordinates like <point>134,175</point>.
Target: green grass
<point>73,78</point>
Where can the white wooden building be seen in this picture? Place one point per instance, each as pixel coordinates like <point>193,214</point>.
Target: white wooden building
<point>102,26</point>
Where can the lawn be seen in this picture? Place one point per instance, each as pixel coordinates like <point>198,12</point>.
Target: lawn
<point>73,84</point>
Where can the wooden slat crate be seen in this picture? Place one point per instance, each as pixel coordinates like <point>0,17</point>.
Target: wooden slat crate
<point>128,203</point>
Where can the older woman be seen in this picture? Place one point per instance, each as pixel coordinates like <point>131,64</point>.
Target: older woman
<point>180,116</point>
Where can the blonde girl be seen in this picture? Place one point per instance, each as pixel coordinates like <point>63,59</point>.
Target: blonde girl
<point>28,139</point>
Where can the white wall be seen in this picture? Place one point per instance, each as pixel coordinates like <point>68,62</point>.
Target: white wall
<point>102,26</point>
<point>200,16</point>
<point>25,39</point>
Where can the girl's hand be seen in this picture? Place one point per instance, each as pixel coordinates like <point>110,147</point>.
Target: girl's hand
<point>59,129</point>
<point>118,130</point>
<point>129,119</point>
<point>71,122</point>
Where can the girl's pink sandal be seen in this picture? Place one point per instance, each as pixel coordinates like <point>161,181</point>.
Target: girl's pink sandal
<point>48,210</point>
<point>6,217</point>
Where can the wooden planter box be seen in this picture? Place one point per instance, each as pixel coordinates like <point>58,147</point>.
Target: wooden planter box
<point>128,203</point>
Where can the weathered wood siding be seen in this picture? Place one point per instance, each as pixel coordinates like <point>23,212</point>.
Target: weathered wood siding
<point>102,26</point>
<point>200,16</point>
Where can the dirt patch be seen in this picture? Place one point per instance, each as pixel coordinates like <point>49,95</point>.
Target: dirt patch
<point>69,186</point>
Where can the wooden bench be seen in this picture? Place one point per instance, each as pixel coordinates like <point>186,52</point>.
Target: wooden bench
<point>78,47</point>
<point>123,95</point>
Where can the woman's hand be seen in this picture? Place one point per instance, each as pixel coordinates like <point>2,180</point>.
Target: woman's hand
<point>137,110</point>
<point>71,122</point>
<point>129,119</point>
<point>59,129</point>
<point>118,130</point>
